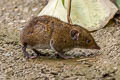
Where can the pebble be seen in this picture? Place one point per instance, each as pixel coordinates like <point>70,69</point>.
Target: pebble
<point>22,21</point>
<point>8,54</point>
<point>34,9</point>
<point>26,10</point>
<point>10,23</point>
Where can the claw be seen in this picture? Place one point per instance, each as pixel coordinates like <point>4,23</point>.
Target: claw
<point>31,57</point>
<point>26,54</point>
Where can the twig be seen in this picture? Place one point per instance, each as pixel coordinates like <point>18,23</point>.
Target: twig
<point>69,11</point>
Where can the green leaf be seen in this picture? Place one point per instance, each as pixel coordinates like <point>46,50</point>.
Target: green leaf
<point>118,3</point>
<point>63,3</point>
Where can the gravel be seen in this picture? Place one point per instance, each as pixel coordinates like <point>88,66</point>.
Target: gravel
<point>89,64</point>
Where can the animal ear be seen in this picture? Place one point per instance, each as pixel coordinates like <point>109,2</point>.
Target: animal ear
<point>74,34</point>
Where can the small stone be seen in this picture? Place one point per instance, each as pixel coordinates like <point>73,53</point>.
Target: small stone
<point>54,73</point>
<point>8,54</point>
<point>22,21</point>
<point>34,9</point>
<point>26,10</point>
<point>10,23</point>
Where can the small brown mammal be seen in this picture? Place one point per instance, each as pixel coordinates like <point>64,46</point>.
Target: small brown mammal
<point>46,32</point>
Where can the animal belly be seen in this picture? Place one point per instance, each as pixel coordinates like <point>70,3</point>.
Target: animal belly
<point>40,46</point>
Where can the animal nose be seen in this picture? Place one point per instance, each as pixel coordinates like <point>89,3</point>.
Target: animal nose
<point>96,47</point>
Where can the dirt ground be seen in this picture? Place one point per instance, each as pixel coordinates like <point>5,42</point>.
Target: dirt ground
<point>89,64</point>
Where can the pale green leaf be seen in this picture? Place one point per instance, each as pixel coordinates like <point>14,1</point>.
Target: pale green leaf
<point>63,2</point>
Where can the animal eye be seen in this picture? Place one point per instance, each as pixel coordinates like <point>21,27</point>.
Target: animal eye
<point>88,41</point>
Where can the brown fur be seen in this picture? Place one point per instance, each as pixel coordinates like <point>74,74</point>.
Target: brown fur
<point>45,29</point>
